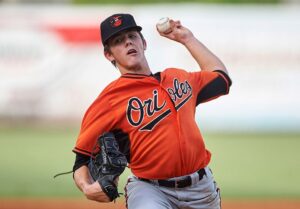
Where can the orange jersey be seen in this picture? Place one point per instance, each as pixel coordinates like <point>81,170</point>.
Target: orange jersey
<point>159,117</point>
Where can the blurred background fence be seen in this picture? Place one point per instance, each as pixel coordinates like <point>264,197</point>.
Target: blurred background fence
<point>52,65</point>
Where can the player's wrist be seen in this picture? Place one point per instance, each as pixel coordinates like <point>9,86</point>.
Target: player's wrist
<point>189,41</point>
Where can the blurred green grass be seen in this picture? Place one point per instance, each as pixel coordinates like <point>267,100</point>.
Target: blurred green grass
<point>244,165</point>
<point>256,165</point>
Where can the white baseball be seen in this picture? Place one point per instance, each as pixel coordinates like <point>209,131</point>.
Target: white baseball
<point>164,26</point>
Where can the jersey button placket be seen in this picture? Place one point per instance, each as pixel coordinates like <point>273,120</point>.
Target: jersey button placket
<point>172,105</point>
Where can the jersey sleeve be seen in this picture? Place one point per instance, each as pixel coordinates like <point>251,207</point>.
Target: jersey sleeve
<point>209,85</point>
<point>99,118</point>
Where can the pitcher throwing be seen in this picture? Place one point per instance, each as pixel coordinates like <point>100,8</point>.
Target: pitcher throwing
<point>152,116</point>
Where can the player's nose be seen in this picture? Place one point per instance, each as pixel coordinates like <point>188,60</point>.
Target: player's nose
<point>128,41</point>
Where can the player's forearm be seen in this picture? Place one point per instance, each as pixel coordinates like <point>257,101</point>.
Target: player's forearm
<point>203,56</point>
<point>91,189</point>
<point>82,177</point>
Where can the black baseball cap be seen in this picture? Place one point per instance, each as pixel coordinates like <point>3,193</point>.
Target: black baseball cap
<point>115,24</point>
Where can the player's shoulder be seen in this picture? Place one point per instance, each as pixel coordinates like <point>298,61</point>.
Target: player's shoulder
<point>111,85</point>
<point>102,101</point>
<point>173,70</point>
<point>106,92</point>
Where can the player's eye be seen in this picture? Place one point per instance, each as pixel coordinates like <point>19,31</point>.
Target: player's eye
<point>132,36</point>
<point>118,40</point>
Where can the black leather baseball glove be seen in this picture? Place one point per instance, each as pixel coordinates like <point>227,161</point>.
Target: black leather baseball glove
<point>107,164</point>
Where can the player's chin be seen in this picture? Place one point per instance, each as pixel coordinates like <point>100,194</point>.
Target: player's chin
<point>133,63</point>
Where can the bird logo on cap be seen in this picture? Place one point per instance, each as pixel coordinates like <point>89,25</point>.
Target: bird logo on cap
<point>116,21</point>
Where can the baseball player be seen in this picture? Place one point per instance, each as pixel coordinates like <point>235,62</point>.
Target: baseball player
<point>168,157</point>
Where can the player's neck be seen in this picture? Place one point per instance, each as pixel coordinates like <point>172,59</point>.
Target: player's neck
<point>143,70</point>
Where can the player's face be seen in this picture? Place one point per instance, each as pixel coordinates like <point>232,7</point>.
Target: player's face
<point>127,49</point>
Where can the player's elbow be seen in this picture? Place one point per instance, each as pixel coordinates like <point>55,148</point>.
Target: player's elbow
<point>225,81</point>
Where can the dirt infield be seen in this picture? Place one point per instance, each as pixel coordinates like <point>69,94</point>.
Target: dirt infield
<point>86,204</point>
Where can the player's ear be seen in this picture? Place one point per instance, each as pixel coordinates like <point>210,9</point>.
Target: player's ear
<point>144,44</point>
<point>108,55</point>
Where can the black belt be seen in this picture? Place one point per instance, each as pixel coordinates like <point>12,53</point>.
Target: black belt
<point>184,182</point>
